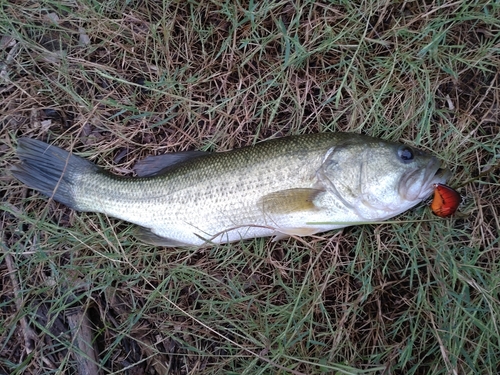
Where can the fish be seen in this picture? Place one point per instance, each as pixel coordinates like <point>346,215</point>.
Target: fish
<point>291,186</point>
<point>446,200</point>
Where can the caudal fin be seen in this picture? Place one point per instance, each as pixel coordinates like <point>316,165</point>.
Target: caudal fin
<point>50,170</point>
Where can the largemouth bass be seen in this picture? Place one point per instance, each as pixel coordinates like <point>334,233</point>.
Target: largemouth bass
<point>292,186</point>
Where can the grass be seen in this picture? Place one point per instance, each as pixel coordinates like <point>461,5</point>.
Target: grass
<point>117,81</point>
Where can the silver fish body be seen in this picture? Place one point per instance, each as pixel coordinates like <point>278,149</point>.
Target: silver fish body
<point>299,185</point>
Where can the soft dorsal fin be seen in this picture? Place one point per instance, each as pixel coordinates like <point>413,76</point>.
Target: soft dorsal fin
<point>289,201</point>
<point>159,164</point>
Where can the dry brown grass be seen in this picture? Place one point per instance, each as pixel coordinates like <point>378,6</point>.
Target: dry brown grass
<point>118,82</point>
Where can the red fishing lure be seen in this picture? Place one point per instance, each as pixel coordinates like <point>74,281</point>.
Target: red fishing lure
<point>446,200</point>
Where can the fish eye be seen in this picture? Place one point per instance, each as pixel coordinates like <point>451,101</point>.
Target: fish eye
<point>405,154</point>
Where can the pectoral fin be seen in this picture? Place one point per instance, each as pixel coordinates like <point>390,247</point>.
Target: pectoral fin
<point>289,201</point>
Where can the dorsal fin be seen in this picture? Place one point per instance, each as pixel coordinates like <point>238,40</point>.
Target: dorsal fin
<point>159,164</point>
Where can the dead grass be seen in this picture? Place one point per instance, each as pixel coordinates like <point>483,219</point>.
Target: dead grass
<point>118,82</point>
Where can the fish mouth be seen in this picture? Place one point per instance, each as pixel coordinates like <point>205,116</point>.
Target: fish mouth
<point>419,183</point>
<point>436,173</point>
<point>442,174</point>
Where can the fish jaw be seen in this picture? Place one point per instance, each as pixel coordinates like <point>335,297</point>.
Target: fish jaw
<point>415,187</point>
<point>419,184</point>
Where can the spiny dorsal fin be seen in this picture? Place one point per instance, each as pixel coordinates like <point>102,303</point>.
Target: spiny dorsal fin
<point>159,164</point>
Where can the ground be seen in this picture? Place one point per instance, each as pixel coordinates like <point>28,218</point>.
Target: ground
<point>117,81</point>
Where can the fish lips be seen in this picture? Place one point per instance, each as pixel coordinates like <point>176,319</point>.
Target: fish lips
<point>437,173</point>
<point>417,187</point>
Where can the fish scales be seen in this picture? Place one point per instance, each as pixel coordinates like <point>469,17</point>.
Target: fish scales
<point>220,190</point>
<point>296,185</point>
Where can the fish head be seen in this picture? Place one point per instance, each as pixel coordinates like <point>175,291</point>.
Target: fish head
<point>376,180</point>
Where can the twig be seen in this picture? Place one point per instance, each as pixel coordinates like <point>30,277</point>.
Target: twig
<point>28,333</point>
<point>85,356</point>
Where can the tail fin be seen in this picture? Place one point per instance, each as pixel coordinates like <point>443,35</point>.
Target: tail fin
<point>50,170</point>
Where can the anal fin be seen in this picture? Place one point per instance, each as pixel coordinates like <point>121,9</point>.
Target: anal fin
<point>298,232</point>
<point>145,235</point>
